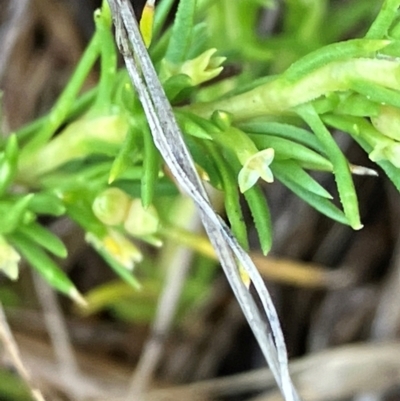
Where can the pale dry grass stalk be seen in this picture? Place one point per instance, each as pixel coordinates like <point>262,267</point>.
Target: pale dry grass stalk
<point>11,347</point>
<point>168,139</point>
<point>177,270</point>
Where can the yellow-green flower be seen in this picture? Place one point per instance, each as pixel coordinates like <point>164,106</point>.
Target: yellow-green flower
<point>388,150</point>
<point>255,163</point>
<point>387,122</point>
<point>255,167</point>
<point>200,69</point>
<point>118,247</point>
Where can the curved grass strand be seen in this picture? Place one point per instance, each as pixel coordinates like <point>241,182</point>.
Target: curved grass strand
<point>168,139</point>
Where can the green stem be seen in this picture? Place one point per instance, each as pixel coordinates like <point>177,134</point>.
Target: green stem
<point>280,96</point>
<point>81,104</point>
<point>64,104</point>
<point>108,55</point>
<point>384,20</point>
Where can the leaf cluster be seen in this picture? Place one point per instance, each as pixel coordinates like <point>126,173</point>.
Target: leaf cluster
<point>272,118</point>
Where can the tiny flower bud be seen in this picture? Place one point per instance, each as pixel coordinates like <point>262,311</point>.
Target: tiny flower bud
<point>140,221</point>
<point>111,206</point>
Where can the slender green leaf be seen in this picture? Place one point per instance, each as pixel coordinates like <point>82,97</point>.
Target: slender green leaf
<point>45,238</point>
<point>189,126</point>
<point>287,149</point>
<point>162,10</point>
<point>108,57</point>
<point>180,41</point>
<point>151,168</point>
<point>384,20</point>
<point>124,157</point>
<point>39,260</point>
<point>231,196</point>
<point>65,102</point>
<point>341,170</point>
<point>13,213</point>
<point>319,203</point>
<point>261,217</point>
<point>293,171</point>
<point>285,131</point>
<point>8,162</point>
<point>47,203</point>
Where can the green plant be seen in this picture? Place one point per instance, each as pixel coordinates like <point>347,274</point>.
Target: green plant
<point>94,159</point>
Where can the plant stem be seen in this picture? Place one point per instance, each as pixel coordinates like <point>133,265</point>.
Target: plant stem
<point>63,106</point>
<point>279,96</point>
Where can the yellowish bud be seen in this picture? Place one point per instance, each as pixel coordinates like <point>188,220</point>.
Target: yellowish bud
<point>111,206</point>
<point>140,221</point>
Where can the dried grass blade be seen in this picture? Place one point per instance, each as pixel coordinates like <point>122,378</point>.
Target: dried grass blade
<point>168,139</point>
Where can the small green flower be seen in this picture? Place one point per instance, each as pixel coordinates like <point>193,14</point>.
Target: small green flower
<point>388,121</point>
<point>118,247</point>
<point>200,69</point>
<point>255,167</point>
<point>382,136</point>
<point>255,163</point>
<point>9,259</point>
<point>389,150</point>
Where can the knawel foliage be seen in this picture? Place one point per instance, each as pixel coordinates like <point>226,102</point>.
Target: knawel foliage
<point>254,108</point>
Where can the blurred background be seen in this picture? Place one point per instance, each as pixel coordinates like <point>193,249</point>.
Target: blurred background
<point>337,291</point>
